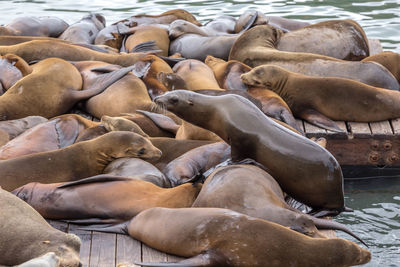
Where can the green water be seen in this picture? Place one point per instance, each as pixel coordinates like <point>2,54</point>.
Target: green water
<point>377,201</point>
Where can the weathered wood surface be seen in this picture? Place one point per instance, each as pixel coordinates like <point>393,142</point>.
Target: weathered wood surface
<point>116,250</point>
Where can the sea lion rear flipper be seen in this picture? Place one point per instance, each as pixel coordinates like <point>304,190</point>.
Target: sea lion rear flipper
<point>121,228</point>
<point>207,258</point>
<point>106,69</point>
<point>101,178</point>
<point>67,132</point>
<point>162,121</point>
<point>102,83</point>
<point>171,61</point>
<point>320,120</point>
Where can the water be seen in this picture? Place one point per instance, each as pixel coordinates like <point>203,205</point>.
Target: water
<point>376,202</point>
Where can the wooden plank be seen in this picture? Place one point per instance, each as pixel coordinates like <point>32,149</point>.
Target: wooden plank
<point>381,129</point>
<point>151,255</point>
<point>103,250</point>
<point>313,131</point>
<point>86,239</point>
<point>396,126</point>
<point>338,135</point>
<point>62,226</point>
<point>359,129</point>
<point>129,250</point>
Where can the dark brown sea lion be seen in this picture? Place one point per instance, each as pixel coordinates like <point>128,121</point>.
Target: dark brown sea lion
<point>195,162</point>
<point>390,60</point>
<point>164,18</point>
<point>12,69</point>
<point>124,96</point>
<point>103,198</point>
<point>252,191</point>
<point>146,33</point>
<point>56,133</point>
<point>36,26</point>
<point>50,90</point>
<point>243,126</point>
<point>17,127</point>
<point>221,237</point>
<point>138,169</point>
<point>196,75</point>
<point>256,47</point>
<point>25,235</point>
<point>334,98</point>
<point>342,39</point>
<point>228,77</point>
<point>85,30</point>
<point>75,162</point>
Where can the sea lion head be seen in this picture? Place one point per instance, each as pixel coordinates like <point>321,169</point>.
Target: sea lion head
<point>120,144</point>
<point>268,76</point>
<point>68,251</point>
<point>178,101</point>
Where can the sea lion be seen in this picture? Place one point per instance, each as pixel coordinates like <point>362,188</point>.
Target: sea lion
<point>221,237</point>
<point>390,60</point>
<point>256,47</point>
<point>103,198</point>
<point>252,191</point>
<point>17,127</point>
<point>164,18</point>
<point>36,26</point>
<point>243,126</point>
<point>342,39</point>
<point>112,35</point>
<point>121,124</point>
<point>146,33</point>
<point>59,132</point>
<point>228,77</point>
<point>75,162</point>
<point>85,30</point>
<point>330,98</point>
<point>25,235</point>
<point>196,75</point>
<point>4,138</point>
<point>195,162</point>
<point>50,259</point>
<point>50,90</point>
<point>12,69</point>
<point>138,169</point>
<point>124,96</point>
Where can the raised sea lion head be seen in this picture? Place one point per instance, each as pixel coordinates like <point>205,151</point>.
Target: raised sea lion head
<point>178,101</point>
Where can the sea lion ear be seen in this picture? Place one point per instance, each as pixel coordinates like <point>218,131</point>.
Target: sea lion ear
<point>190,102</point>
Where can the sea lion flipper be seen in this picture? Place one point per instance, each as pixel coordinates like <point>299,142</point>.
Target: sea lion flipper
<point>105,69</point>
<point>146,47</point>
<point>67,132</point>
<point>102,83</point>
<point>162,121</point>
<point>207,258</point>
<point>121,228</point>
<point>314,117</point>
<point>101,178</point>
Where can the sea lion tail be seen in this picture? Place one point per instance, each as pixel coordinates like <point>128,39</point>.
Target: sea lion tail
<point>205,259</point>
<point>332,225</point>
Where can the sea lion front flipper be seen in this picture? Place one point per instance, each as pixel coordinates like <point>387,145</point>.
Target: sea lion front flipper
<point>207,258</point>
<point>101,178</point>
<point>67,132</point>
<point>161,121</point>
<point>314,117</point>
<point>121,228</point>
<point>146,47</point>
<point>102,83</point>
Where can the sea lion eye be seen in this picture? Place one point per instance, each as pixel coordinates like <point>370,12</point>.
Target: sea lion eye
<point>141,151</point>
<point>173,100</point>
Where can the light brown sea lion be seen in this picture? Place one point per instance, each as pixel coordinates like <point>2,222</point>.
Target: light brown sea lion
<point>25,235</point>
<point>4,138</point>
<point>36,26</point>
<point>390,60</point>
<point>75,162</point>
<point>112,36</point>
<point>138,169</point>
<point>85,30</point>
<point>228,77</point>
<point>195,162</point>
<point>41,49</point>
<point>124,96</point>
<point>256,47</point>
<point>50,90</point>
<point>221,237</point>
<point>12,69</point>
<point>146,33</point>
<point>334,98</point>
<point>252,191</point>
<point>59,132</point>
<point>342,39</point>
<point>17,127</point>
<point>103,198</point>
<point>152,128</point>
<point>164,18</point>
<point>91,133</point>
<point>196,75</point>
<point>121,124</point>
<point>243,126</point>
